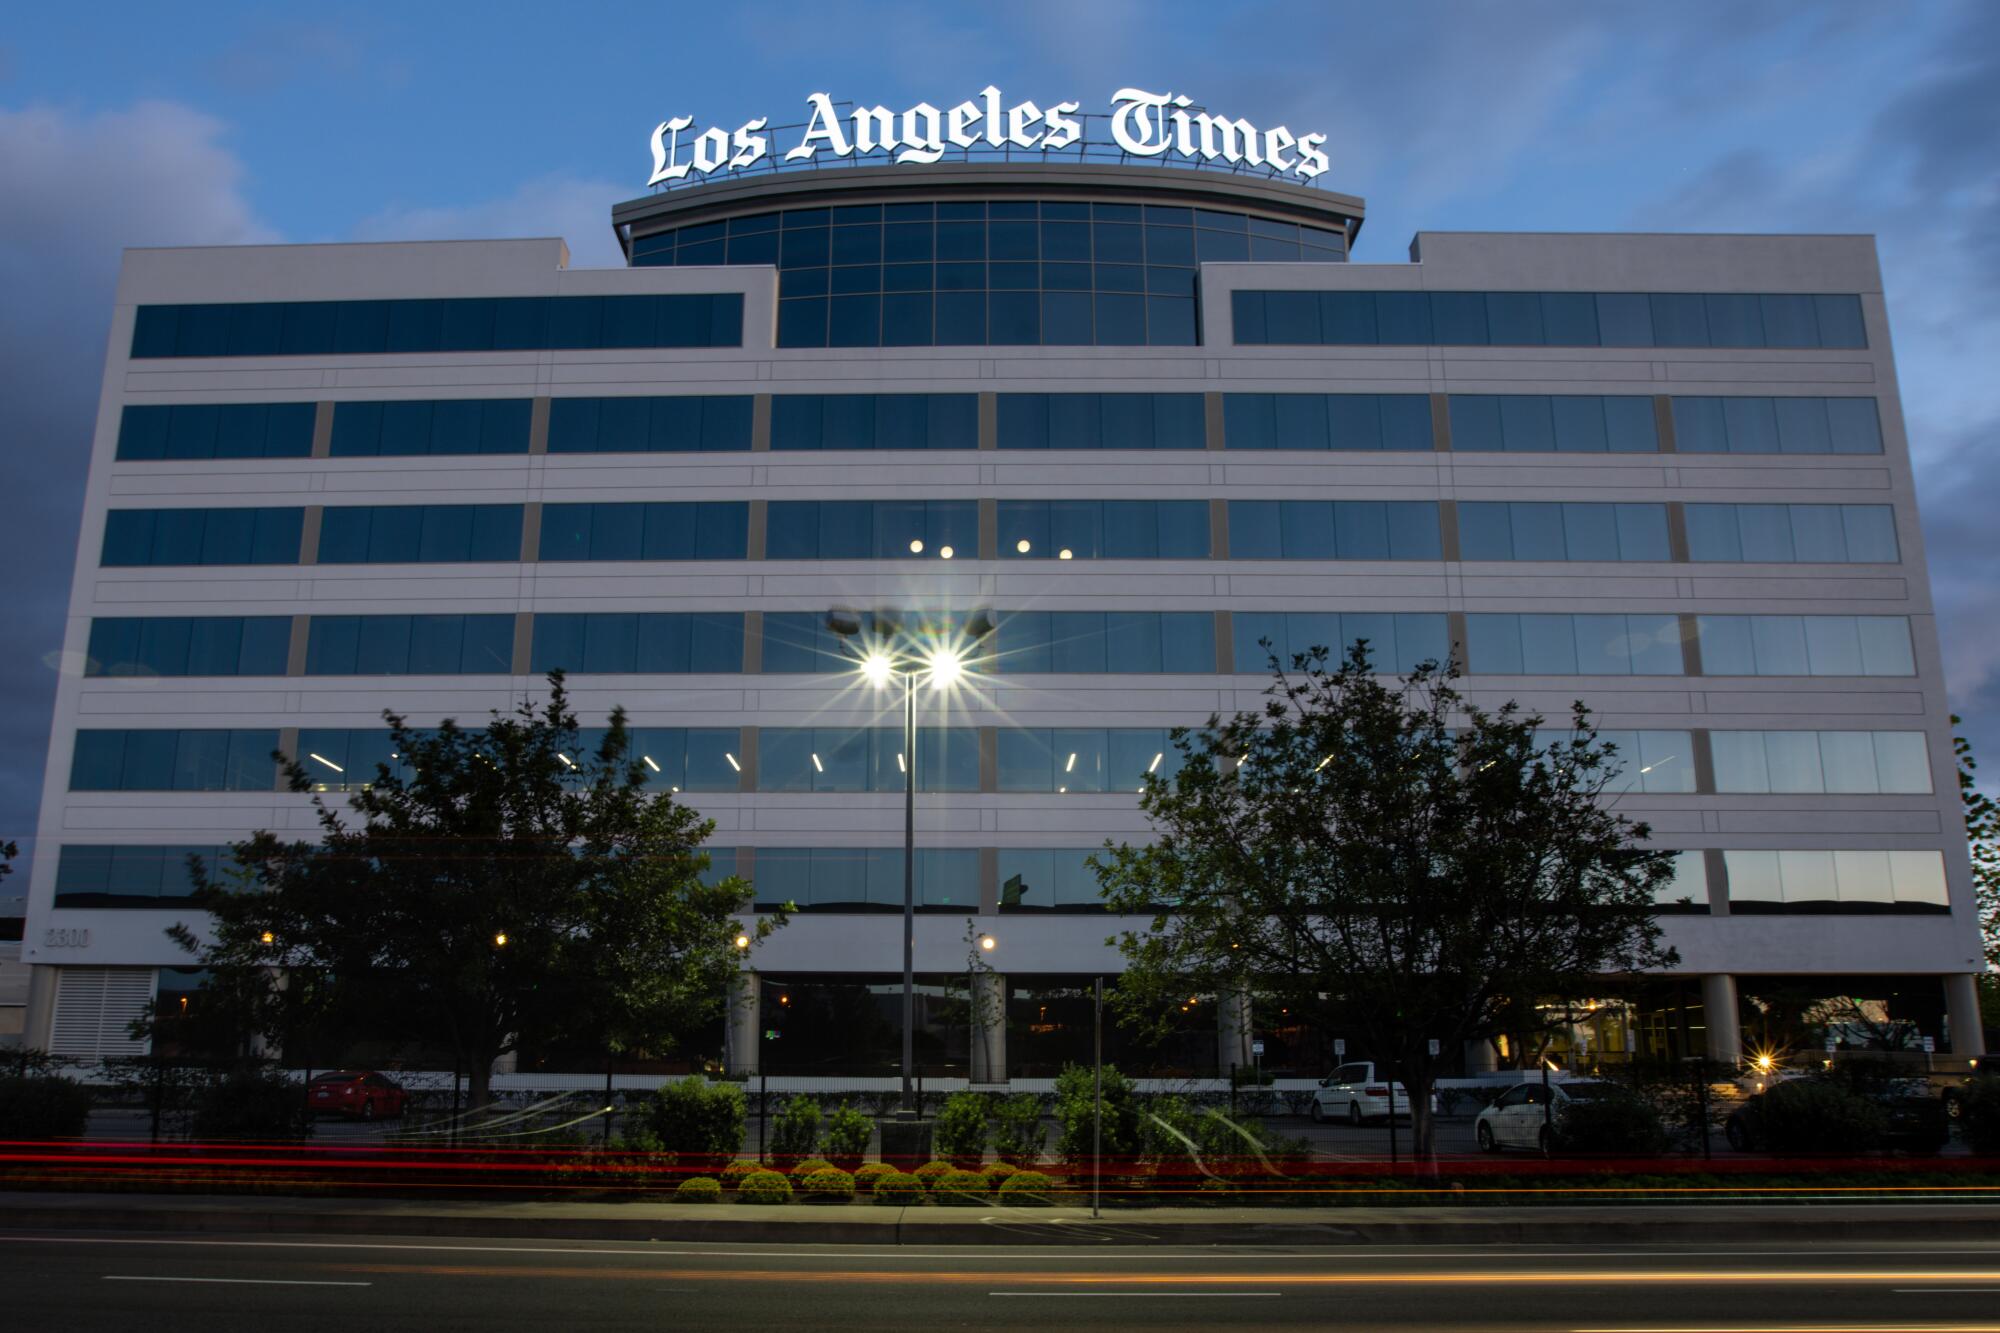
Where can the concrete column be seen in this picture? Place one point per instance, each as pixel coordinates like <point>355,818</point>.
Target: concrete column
<point>1232,1032</point>
<point>1481,1058</point>
<point>989,1028</point>
<point>1961,1007</point>
<point>39,1022</point>
<point>1719,1012</point>
<point>743,1037</point>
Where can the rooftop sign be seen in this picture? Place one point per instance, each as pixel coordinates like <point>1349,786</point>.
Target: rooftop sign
<point>1141,124</point>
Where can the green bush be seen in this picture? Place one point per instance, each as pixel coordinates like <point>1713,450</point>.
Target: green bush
<point>1979,1115</point>
<point>699,1189</point>
<point>1073,1114</point>
<point>829,1183</point>
<point>1019,1135</point>
<point>44,1108</point>
<point>1810,1116</point>
<point>733,1174</point>
<point>846,1137</point>
<point>765,1187</point>
<point>960,1132</point>
<point>700,1122</point>
<point>795,1132</point>
<point>1027,1189</point>
<point>930,1172</point>
<point>866,1176</point>
<point>996,1173</point>
<point>252,1105</point>
<point>898,1187</point>
<point>965,1188</point>
<point>800,1170</point>
<point>1615,1126</point>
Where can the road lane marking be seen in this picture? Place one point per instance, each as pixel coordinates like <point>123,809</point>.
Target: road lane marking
<point>1940,1291</point>
<point>233,1281</point>
<point>1175,1295</point>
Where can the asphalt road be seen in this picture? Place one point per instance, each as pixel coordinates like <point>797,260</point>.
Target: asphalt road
<point>164,1283</point>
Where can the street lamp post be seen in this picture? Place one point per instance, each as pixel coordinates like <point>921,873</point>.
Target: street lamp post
<point>944,665</point>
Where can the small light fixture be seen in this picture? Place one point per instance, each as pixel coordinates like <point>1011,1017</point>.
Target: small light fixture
<point>649,762</point>
<point>944,553</point>
<point>742,941</point>
<point>329,763</point>
<point>901,767</point>
<point>916,546</point>
<point>1154,766</point>
<point>500,939</point>
<point>567,761</point>
<point>268,938</point>
<point>818,767</point>
<point>1063,554</point>
<point>1024,546</point>
<point>732,761</point>
<point>946,667</point>
<point>987,943</point>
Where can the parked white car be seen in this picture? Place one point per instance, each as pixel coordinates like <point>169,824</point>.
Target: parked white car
<point>1353,1093</point>
<point>1523,1115</point>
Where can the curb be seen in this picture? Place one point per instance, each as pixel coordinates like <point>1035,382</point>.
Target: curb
<point>1711,1224</point>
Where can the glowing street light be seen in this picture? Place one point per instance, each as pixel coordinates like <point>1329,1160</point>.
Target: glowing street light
<point>500,939</point>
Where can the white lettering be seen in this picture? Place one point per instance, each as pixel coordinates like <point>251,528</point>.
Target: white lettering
<point>711,150</point>
<point>1275,143</point>
<point>923,134</point>
<point>1311,160</point>
<point>874,129</point>
<point>1150,140</point>
<point>1231,140</point>
<point>958,124</point>
<point>991,96</point>
<point>666,146</point>
<point>750,147</point>
<point>1062,130</point>
<point>823,125</point>
<point>1018,120</point>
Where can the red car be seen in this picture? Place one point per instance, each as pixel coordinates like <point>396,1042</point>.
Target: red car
<point>354,1092</point>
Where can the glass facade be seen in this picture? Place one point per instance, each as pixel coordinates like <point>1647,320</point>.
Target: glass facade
<point>1757,425</point>
<point>1787,534</point>
<point>687,530</point>
<point>1397,641</point>
<point>1805,646</point>
<point>188,646</point>
<point>1097,642</point>
<point>685,424</point>
<point>424,645</point>
<point>131,875</point>
<point>1103,529</point>
<point>468,324</point>
<point>1542,530</point>
<point>168,759</point>
<point>970,272</point>
<point>871,529</point>
<point>1819,882</point>
<point>1334,530</point>
<point>202,536</point>
<point>1822,762</point>
<point>1340,421</point>
<point>1546,319</point>
<point>858,759</point>
<point>1572,645</point>
<point>419,428</point>
<point>865,878</point>
<point>810,421</point>
<point>665,642</point>
<point>1100,421</point>
<point>1543,423</point>
<point>1047,879</point>
<point>195,431</point>
<point>419,534</point>
<point>1078,760</point>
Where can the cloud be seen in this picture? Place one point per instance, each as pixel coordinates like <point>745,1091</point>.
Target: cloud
<point>575,209</point>
<point>79,188</point>
<point>272,56</point>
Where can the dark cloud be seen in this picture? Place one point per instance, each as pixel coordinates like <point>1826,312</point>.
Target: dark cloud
<point>78,190</point>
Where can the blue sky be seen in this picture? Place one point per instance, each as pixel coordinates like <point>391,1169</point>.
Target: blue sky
<point>130,124</point>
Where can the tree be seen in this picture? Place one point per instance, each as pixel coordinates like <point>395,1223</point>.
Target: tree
<point>1982,836</point>
<point>497,886</point>
<point>1387,855</point>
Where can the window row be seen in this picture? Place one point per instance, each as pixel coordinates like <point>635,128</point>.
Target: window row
<point>188,646</point>
<point>1026,529</point>
<point>1826,881</point>
<point>682,424</point>
<point>419,645</point>
<point>194,431</point>
<point>865,759</point>
<point>1500,644</point>
<point>1513,423</point>
<point>168,759</point>
<point>874,421</point>
<point>694,759</point>
<point>1865,763</point>
<point>1547,319</point>
<point>1397,640</point>
<point>664,642</point>
<point>1805,646</point>
<point>833,878</point>
<point>1100,421</point>
<point>466,324</point>
<point>990,318</point>
<point>1021,643</point>
<point>418,427</point>
<point>95,875</point>
<point>1342,421</point>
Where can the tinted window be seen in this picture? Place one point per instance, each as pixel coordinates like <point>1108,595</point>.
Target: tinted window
<point>168,760</point>
<point>1801,533</point>
<point>682,424</point>
<point>875,421</point>
<point>1835,882</point>
<point>135,875</point>
<point>419,534</point>
<point>651,642</point>
<point>1563,645</point>
<point>220,430</point>
<point>1066,760</point>
<point>1090,642</point>
<point>1101,421</point>
<point>410,645</point>
<point>1103,529</point>
<point>188,646</point>
<point>1397,641</point>
<point>1753,425</point>
<point>1348,421</point>
<point>872,529</point>
<point>1334,530</point>
<point>823,759</point>
<point>1806,646</point>
<point>1521,423</point>
<point>695,530</point>
<point>1815,762</point>
<point>450,426</point>
<point>1541,530</point>
<point>202,536</point>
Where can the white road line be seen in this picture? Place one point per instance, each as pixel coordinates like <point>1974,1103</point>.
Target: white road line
<point>1160,1254</point>
<point>1225,1295</point>
<point>233,1281</point>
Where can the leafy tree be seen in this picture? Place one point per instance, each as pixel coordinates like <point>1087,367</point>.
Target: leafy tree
<point>1982,835</point>
<point>498,886</point>
<point>1387,855</point>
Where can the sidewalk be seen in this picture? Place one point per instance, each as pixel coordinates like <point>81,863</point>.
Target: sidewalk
<point>874,1224</point>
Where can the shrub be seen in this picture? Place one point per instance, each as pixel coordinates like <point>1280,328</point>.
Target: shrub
<point>252,1105</point>
<point>829,1183</point>
<point>846,1137</point>
<point>699,1189</point>
<point>898,1187</point>
<point>1027,1189</point>
<point>930,1172</point>
<point>866,1176</point>
<point>43,1108</point>
<point>765,1187</point>
<point>996,1173</point>
<point>1616,1126</point>
<point>698,1121</point>
<point>795,1132</point>
<point>800,1170</point>
<point>733,1174</point>
<point>1812,1116</point>
<point>960,1132</point>
<point>1018,1132</point>
<point>1073,1114</point>
<point>1979,1115</point>
<point>959,1187</point>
